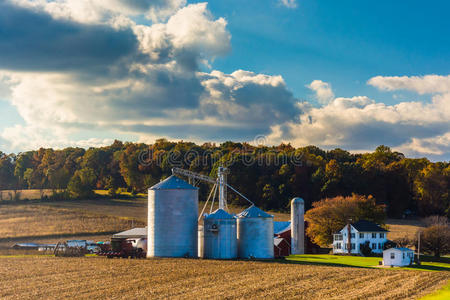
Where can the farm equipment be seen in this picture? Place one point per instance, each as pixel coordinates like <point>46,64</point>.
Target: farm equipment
<point>124,248</point>
<point>65,249</point>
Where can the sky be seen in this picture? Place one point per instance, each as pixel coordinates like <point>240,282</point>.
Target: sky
<point>347,74</point>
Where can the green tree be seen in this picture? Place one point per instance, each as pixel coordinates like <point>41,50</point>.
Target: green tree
<point>82,183</point>
<point>432,189</point>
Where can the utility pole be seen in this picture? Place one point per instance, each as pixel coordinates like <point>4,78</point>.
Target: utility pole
<point>349,233</point>
<point>418,249</point>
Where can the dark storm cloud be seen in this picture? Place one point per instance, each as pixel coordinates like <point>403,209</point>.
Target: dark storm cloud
<point>35,41</point>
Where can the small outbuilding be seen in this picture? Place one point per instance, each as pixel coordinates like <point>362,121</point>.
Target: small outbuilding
<point>398,257</point>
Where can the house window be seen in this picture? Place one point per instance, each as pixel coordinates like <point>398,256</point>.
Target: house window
<point>345,246</point>
<point>361,235</point>
<point>392,255</point>
<point>374,235</point>
<point>381,235</point>
<point>403,255</point>
<point>380,246</point>
<point>374,246</point>
<point>338,237</point>
<point>353,246</point>
<point>352,235</point>
<point>338,246</point>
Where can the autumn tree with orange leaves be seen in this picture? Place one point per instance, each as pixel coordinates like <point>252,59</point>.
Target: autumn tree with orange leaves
<point>330,215</point>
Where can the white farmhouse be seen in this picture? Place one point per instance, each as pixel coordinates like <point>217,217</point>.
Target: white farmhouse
<point>350,238</point>
<point>398,257</point>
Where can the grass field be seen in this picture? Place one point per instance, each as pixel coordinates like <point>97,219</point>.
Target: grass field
<point>50,277</point>
<point>362,262</point>
<point>441,294</point>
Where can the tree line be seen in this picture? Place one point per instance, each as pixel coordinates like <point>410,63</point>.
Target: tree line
<point>269,176</point>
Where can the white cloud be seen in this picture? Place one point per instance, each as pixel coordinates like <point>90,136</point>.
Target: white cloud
<point>102,11</point>
<point>289,3</point>
<point>362,123</point>
<point>31,137</point>
<point>428,84</point>
<point>324,93</point>
<point>438,145</point>
<point>154,90</point>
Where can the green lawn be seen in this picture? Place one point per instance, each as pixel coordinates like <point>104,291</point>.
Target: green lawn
<point>361,262</point>
<point>442,294</point>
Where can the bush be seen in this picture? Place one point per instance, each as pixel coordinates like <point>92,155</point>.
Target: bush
<point>365,249</point>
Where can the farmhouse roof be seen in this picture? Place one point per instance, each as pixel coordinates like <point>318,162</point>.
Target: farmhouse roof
<point>367,226</point>
<point>173,183</point>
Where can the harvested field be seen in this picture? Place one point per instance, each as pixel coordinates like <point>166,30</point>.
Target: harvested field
<point>403,228</point>
<point>134,208</point>
<point>91,277</point>
<point>40,223</point>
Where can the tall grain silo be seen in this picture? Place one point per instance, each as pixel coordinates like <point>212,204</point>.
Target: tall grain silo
<point>297,226</point>
<point>172,219</point>
<point>220,235</point>
<point>255,234</point>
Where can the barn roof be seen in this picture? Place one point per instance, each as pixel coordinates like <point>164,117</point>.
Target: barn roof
<point>367,226</point>
<point>280,227</point>
<point>219,214</point>
<point>132,233</point>
<point>173,183</point>
<point>254,212</point>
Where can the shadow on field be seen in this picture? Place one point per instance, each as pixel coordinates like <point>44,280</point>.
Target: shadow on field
<point>311,263</point>
<point>55,236</point>
<point>430,268</point>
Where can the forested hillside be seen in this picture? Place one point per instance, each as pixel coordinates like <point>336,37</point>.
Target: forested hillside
<point>269,176</point>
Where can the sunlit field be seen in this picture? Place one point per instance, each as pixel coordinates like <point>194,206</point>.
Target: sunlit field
<point>93,277</point>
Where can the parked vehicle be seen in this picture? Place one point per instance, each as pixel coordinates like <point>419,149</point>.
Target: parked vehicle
<point>123,248</point>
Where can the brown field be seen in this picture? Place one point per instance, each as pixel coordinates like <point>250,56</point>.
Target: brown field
<point>403,228</point>
<point>45,224</point>
<point>92,277</point>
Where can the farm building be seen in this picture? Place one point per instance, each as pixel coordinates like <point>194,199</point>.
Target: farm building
<point>283,230</point>
<point>398,257</point>
<point>135,233</point>
<point>350,238</point>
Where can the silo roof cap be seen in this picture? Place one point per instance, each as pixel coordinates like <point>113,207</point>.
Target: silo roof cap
<point>219,214</point>
<point>173,183</point>
<point>254,212</point>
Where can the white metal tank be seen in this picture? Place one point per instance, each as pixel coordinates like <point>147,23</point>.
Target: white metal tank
<point>200,241</point>
<point>255,234</point>
<point>220,235</point>
<point>172,219</point>
<point>297,226</point>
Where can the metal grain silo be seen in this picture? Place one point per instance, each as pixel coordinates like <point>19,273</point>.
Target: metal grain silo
<point>255,233</point>
<point>220,235</point>
<point>297,226</point>
<point>200,241</point>
<point>172,219</point>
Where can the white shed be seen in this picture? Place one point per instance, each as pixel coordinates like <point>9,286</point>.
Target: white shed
<point>398,257</point>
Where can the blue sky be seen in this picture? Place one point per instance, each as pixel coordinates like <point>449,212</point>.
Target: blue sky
<point>349,74</point>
